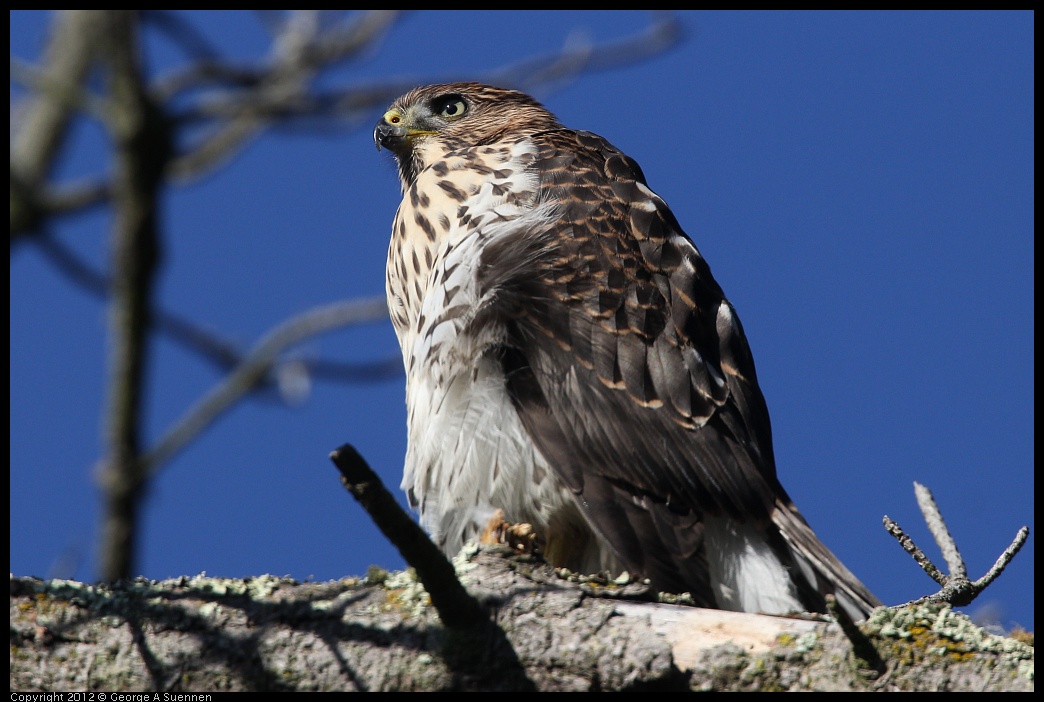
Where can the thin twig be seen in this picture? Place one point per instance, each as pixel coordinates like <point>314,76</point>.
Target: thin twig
<point>914,550</point>
<point>868,660</point>
<point>254,368</point>
<point>1004,559</point>
<point>937,525</point>
<point>579,56</point>
<point>211,346</point>
<point>75,197</point>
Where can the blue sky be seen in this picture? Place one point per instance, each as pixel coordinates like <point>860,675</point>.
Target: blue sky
<point>860,183</point>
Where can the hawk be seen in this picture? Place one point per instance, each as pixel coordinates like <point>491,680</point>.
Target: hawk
<point>571,361</point>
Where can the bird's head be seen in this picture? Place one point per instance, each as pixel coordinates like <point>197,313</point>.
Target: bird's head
<point>427,123</point>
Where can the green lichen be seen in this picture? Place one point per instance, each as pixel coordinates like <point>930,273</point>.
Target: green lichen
<point>806,642</point>
<point>935,630</point>
<point>462,562</point>
<point>406,593</point>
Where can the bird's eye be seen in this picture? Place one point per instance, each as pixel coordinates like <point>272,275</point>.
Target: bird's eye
<point>451,107</point>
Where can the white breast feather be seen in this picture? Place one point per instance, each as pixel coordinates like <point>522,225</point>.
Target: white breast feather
<point>468,452</point>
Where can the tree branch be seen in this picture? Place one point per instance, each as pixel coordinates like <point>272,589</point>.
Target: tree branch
<point>956,589</point>
<point>254,368</point>
<point>42,127</point>
<point>457,609</point>
<point>937,526</point>
<point>220,352</point>
<point>380,633</point>
<point>142,148</point>
<point>300,52</point>
<point>580,55</point>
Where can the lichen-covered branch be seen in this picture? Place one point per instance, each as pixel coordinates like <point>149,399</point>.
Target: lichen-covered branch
<point>381,633</point>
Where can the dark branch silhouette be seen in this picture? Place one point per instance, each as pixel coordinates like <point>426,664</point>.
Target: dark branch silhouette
<point>456,608</point>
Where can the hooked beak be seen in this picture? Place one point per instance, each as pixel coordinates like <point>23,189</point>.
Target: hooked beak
<point>388,135</point>
<point>396,130</point>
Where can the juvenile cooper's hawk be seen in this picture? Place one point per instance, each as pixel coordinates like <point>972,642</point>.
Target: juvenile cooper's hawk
<point>571,361</point>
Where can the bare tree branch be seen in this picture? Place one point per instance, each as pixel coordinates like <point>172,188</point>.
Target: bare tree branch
<point>579,55</point>
<point>43,125</point>
<point>914,550</point>
<point>254,368</point>
<point>1004,559</point>
<point>76,197</point>
<point>933,517</point>
<point>300,52</point>
<point>457,609</point>
<point>957,589</point>
<point>142,144</point>
<point>215,349</point>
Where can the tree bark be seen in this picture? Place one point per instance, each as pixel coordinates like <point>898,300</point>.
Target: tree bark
<point>546,632</point>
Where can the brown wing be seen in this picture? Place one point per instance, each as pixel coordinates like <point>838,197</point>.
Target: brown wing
<point>629,367</point>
